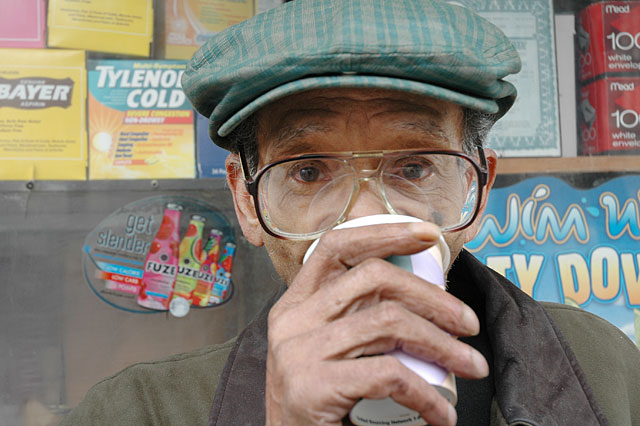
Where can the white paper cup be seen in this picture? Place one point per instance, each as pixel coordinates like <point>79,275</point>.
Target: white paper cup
<point>430,266</point>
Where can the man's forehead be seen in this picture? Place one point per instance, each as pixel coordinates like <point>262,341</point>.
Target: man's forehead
<point>322,110</point>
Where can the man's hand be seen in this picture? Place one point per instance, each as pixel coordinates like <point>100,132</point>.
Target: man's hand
<point>347,302</point>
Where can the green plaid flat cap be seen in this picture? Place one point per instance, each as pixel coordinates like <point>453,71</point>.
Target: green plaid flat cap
<point>426,47</point>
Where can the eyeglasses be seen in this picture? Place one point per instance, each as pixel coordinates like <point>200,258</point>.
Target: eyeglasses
<point>301,197</point>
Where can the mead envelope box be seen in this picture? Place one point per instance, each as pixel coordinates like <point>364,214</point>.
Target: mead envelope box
<point>609,116</point>
<point>608,35</point>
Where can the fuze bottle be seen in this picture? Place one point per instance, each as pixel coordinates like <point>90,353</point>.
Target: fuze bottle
<point>190,259</point>
<point>223,274</point>
<point>161,265</point>
<point>208,269</point>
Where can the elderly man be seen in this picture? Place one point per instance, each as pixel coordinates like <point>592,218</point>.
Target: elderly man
<point>337,109</point>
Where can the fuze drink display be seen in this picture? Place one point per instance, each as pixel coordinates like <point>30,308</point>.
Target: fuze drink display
<point>208,270</point>
<point>223,275</point>
<point>190,259</point>
<point>161,265</point>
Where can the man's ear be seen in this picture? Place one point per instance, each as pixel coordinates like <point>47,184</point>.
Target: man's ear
<point>492,162</point>
<point>243,202</point>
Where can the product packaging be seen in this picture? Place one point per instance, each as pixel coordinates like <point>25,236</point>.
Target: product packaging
<point>609,116</point>
<point>210,156</point>
<point>42,114</point>
<point>190,259</point>
<point>608,37</point>
<point>189,23</point>
<point>161,265</point>
<point>223,275</point>
<point>114,26</point>
<point>140,122</point>
<point>208,269</point>
<point>22,23</point>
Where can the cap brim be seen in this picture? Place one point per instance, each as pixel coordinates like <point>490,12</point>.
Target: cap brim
<point>491,106</point>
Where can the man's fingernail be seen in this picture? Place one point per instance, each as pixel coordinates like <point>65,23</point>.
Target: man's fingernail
<point>452,416</point>
<point>479,363</point>
<point>425,230</point>
<point>470,321</point>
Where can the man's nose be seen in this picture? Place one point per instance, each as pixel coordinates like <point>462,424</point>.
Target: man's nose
<point>367,200</point>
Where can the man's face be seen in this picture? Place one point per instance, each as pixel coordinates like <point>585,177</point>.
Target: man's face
<point>338,120</point>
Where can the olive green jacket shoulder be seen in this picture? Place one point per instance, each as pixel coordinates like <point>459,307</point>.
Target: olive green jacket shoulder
<point>610,361</point>
<point>175,391</point>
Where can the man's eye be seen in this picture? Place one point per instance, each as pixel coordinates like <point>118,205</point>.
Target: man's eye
<point>309,174</point>
<point>413,169</point>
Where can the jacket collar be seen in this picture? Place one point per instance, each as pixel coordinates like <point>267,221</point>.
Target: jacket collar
<point>538,380</point>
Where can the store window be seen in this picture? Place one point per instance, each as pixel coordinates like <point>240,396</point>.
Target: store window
<point>98,142</point>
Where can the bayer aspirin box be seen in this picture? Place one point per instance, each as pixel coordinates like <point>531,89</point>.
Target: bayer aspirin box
<point>42,114</point>
<point>608,35</point>
<point>609,116</point>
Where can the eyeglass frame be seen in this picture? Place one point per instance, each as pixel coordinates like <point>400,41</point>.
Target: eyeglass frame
<point>251,182</point>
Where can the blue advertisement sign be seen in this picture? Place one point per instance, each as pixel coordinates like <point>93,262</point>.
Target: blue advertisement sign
<point>211,157</point>
<point>579,247</point>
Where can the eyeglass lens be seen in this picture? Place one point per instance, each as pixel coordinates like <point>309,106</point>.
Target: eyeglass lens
<point>307,196</point>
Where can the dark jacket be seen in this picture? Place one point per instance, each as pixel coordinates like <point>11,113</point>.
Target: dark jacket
<point>552,364</point>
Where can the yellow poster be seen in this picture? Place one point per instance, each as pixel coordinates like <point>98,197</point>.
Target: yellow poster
<point>42,114</point>
<point>189,23</point>
<point>114,26</point>
<point>141,125</point>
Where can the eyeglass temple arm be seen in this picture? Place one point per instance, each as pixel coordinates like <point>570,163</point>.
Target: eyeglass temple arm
<point>483,167</point>
<point>249,183</point>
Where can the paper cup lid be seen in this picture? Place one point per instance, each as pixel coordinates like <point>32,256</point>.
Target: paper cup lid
<point>385,218</point>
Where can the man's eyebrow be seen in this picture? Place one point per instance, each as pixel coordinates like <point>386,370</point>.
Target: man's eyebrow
<point>427,126</point>
<point>289,140</point>
<point>424,119</point>
<point>289,133</point>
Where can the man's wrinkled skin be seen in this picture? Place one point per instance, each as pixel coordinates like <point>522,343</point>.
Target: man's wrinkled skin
<point>346,301</point>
